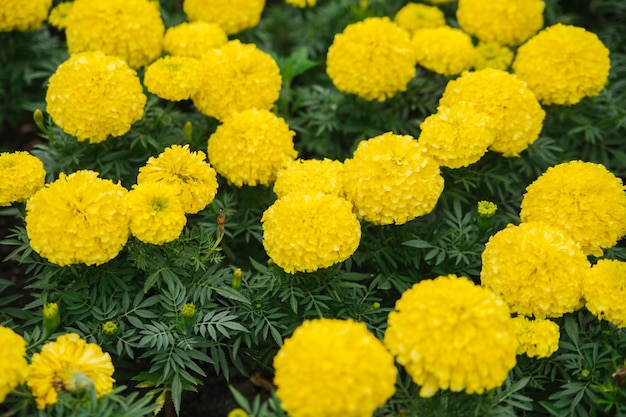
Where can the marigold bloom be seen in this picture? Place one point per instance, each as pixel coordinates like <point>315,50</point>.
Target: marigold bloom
<point>451,334</point>
<point>79,218</point>
<point>535,268</point>
<point>416,16</point>
<point>63,365</point>
<point>444,50</point>
<point>516,115</point>
<point>309,231</point>
<point>236,77</point>
<point>313,175</point>
<point>492,55</point>
<point>23,16</point>
<point>563,64</point>
<point>486,209</point>
<point>194,180</point>
<point>372,59</point>
<point>92,96</point>
<point>537,338</point>
<point>440,1</point>
<point>508,22</point>
<point>333,368</point>
<point>173,78</point>
<point>604,289</point>
<point>21,175</point>
<point>584,199</point>
<point>59,13</point>
<point>301,3</point>
<point>12,361</point>
<point>251,146</point>
<point>193,39</point>
<point>390,179</point>
<point>233,16</point>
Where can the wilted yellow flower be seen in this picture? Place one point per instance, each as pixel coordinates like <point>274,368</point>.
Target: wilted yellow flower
<point>313,175</point>
<point>92,96</point>
<point>444,50</point>
<point>333,368</point>
<point>79,218</point>
<point>23,16</point>
<point>604,289</point>
<point>193,39</point>
<point>416,16</point>
<point>59,13</point>
<point>390,179</point>
<point>537,338</point>
<point>12,361</point>
<point>535,268</point>
<point>194,180</point>
<point>492,55</point>
<point>233,16</point>
<point>451,334</point>
<point>563,64</point>
<point>69,364</point>
<point>21,175</point>
<point>301,3</point>
<point>251,146</point>
<point>173,78</point>
<point>584,199</point>
<point>372,59</point>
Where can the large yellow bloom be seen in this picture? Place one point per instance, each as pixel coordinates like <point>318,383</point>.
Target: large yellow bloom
<point>12,361</point>
<point>444,50</point>
<point>233,16</point>
<point>416,16</point>
<point>313,175</point>
<point>604,289</point>
<point>173,78</point>
<point>537,338</point>
<point>21,175</point>
<point>193,39</point>
<point>23,15</point>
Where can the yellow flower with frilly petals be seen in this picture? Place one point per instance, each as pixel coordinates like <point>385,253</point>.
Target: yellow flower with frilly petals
<point>333,368</point>
<point>563,64</point>
<point>535,268</point>
<point>416,16</point>
<point>583,199</point>
<point>390,179</point>
<point>12,361</point>
<point>372,59</point>
<point>251,146</point>
<point>21,175</point>
<point>173,78</point>
<point>604,289</point>
<point>301,3</point>
<point>323,176</point>
<point>537,338</point>
<point>309,231</point>
<point>92,96</point>
<point>440,1</point>
<point>69,364</point>
<point>23,15</point>
<point>58,15</point>
<point>492,55</point>
<point>444,50</point>
<point>193,39</point>
<point>451,334</point>
<point>233,16</point>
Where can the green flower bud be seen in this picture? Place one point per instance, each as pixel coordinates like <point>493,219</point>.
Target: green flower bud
<point>486,211</point>
<point>51,317</point>
<point>189,314</point>
<point>109,329</point>
<point>236,281</point>
<point>187,131</point>
<point>76,381</point>
<point>237,412</point>
<point>38,118</point>
<point>375,305</point>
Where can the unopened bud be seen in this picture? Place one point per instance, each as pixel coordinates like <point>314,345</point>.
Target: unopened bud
<point>237,412</point>
<point>486,211</point>
<point>51,317</point>
<point>188,312</point>
<point>236,281</point>
<point>221,219</point>
<point>187,131</point>
<point>77,382</point>
<point>109,329</point>
<point>38,118</point>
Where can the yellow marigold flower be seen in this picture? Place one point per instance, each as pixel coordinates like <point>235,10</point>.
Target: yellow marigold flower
<point>535,268</point>
<point>391,180</point>
<point>23,16</point>
<point>563,64</point>
<point>604,289</point>
<point>451,334</point>
<point>173,78</point>
<point>584,199</point>
<point>333,368</point>
<point>237,412</point>
<point>440,1</point>
<point>309,231</point>
<point>233,16</point>
<point>129,29</point>
<point>236,77</point>
<point>537,338</point>
<point>193,39</point>
<point>59,13</point>
<point>156,213</point>
<point>516,115</point>
<point>492,55</point>
<point>12,361</point>
<point>324,176</point>
<point>456,136</point>
<point>444,50</point>
<point>372,59</point>
<point>69,364</point>
<point>194,180</point>
<point>251,146</point>
<point>92,96</point>
<point>416,16</point>
<point>508,22</point>
<point>486,209</point>
<point>21,175</point>
<point>301,3</point>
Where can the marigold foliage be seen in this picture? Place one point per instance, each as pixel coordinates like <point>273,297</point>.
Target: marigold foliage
<point>21,175</point>
<point>444,50</point>
<point>416,16</point>
<point>492,55</point>
<point>193,39</point>
<point>604,289</point>
<point>390,179</point>
<point>537,338</point>
<point>333,368</point>
<point>372,59</point>
<point>59,13</point>
<point>23,16</point>
<point>324,176</point>
<point>301,3</point>
<point>451,334</point>
<point>12,361</point>
<point>233,16</point>
<point>173,78</point>
<point>92,96</point>
<point>563,64</point>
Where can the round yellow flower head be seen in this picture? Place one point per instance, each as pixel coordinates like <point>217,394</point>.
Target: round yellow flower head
<point>193,39</point>
<point>69,364</point>
<point>92,96</point>
<point>391,180</point>
<point>23,16</point>
<point>173,78</point>
<point>194,180</point>
<point>324,176</point>
<point>537,338</point>
<point>456,136</point>
<point>59,13</point>
<point>451,334</point>
<point>21,175</point>
<point>444,50</point>
<point>333,368</point>
<point>372,59</point>
<point>301,3</point>
<point>604,289</point>
<point>251,146</point>
<point>233,16</point>
<point>486,209</point>
<point>237,412</point>
<point>440,1</point>
<point>237,77</point>
<point>416,16</point>
<point>584,199</point>
<point>12,361</point>
<point>563,64</point>
<point>507,22</point>
<point>516,115</point>
<point>79,218</point>
<point>309,231</point>
<point>492,55</point>
<point>536,269</point>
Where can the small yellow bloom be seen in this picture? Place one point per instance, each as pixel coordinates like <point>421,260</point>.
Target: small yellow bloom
<point>416,16</point>
<point>487,209</point>
<point>444,50</point>
<point>537,338</point>
<point>605,291</point>
<point>233,16</point>
<point>193,39</point>
<point>313,175</point>
<point>58,15</point>
<point>21,176</point>
<point>492,55</point>
<point>173,78</point>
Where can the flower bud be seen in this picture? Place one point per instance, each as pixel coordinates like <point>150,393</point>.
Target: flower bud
<point>236,281</point>
<point>237,412</point>
<point>486,211</point>
<point>51,317</point>
<point>77,382</point>
<point>188,312</point>
<point>38,118</point>
<point>187,131</point>
<point>109,329</point>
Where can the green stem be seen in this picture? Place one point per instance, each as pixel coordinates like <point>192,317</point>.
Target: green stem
<point>166,110</point>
